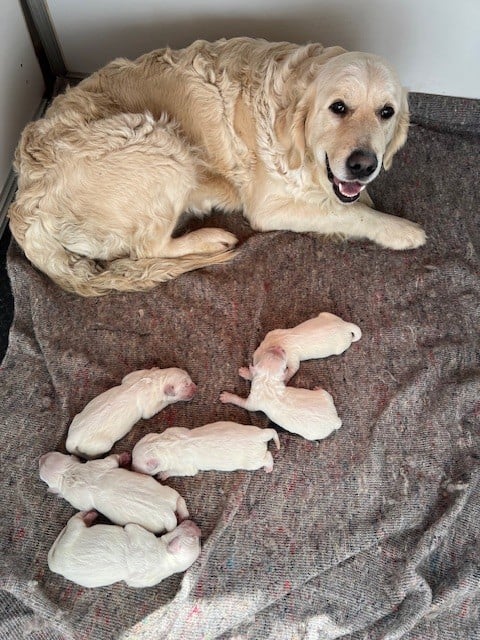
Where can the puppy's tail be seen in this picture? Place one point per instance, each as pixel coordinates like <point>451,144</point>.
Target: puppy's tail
<point>86,277</point>
<point>356,332</point>
<point>273,435</point>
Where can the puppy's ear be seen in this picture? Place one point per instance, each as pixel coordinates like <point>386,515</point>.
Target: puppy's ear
<point>175,545</point>
<point>151,463</point>
<point>169,390</point>
<point>400,133</point>
<point>290,130</point>
<point>277,351</point>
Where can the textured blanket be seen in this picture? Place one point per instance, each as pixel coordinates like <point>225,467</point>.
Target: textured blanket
<point>372,533</point>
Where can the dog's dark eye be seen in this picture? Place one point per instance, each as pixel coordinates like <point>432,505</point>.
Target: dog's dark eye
<point>387,112</point>
<point>339,108</point>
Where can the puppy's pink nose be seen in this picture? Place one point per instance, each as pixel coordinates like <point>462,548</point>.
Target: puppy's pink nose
<point>191,390</point>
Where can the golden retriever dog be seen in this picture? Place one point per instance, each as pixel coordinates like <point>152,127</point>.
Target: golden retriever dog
<point>289,134</point>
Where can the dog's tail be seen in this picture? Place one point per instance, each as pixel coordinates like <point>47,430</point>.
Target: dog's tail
<point>86,277</point>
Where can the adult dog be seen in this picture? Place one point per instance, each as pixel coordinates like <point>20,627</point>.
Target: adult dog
<point>290,134</point>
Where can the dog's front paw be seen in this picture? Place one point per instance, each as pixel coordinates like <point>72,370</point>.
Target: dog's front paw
<point>399,234</point>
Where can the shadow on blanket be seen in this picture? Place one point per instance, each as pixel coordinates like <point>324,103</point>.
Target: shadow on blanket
<point>371,533</point>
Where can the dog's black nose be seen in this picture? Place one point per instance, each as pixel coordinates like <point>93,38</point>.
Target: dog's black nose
<point>361,164</point>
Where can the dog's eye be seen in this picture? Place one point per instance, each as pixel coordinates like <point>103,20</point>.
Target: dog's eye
<point>339,108</point>
<point>386,112</point>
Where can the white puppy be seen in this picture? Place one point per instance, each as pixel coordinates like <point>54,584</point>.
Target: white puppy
<point>221,446</point>
<point>103,554</point>
<point>320,337</point>
<point>122,496</point>
<point>310,413</point>
<point>112,414</point>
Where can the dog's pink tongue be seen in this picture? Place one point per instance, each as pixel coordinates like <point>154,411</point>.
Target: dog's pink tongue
<point>348,189</point>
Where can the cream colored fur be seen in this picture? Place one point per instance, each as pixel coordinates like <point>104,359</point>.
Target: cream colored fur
<point>236,124</point>
<point>112,414</point>
<point>319,337</point>
<point>311,413</point>
<point>220,446</point>
<point>121,495</point>
<point>100,555</point>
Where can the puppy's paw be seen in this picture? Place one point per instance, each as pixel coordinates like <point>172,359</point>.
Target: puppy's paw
<point>88,517</point>
<point>399,234</point>
<point>244,372</point>
<point>124,459</point>
<point>226,397</point>
<point>268,462</point>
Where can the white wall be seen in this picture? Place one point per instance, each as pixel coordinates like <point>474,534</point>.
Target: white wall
<point>21,82</point>
<point>434,44</point>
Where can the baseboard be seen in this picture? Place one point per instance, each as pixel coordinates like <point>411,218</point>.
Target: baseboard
<point>6,198</point>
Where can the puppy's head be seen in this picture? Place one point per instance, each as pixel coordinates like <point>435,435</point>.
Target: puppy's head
<point>184,541</point>
<point>52,466</point>
<point>179,385</point>
<point>351,120</point>
<point>170,384</point>
<point>146,458</point>
<point>271,363</point>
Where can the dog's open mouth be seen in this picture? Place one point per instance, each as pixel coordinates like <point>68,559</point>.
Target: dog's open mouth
<point>345,191</point>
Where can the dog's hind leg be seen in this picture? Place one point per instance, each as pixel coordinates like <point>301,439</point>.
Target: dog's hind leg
<point>202,241</point>
<point>155,239</point>
<point>115,192</point>
<point>211,191</point>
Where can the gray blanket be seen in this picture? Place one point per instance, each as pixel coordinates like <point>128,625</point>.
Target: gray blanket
<point>371,533</point>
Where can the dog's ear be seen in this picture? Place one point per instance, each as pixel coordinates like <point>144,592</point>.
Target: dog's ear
<point>400,134</point>
<point>290,131</point>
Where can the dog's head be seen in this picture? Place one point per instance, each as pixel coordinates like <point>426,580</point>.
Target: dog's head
<point>351,120</point>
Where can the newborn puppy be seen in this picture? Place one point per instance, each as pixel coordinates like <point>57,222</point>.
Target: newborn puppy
<point>221,446</point>
<point>311,414</point>
<point>122,496</point>
<point>103,554</point>
<point>112,414</point>
<point>320,337</point>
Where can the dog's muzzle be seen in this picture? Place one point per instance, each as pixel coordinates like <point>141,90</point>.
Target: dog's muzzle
<point>359,165</point>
